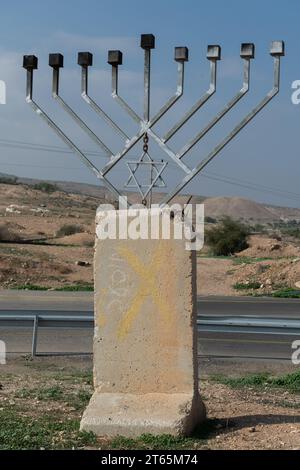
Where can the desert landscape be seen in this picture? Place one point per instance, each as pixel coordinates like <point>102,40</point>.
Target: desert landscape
<point>47,239</point>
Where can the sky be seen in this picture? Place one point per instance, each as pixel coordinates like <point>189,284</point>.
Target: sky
<point>262,163</point>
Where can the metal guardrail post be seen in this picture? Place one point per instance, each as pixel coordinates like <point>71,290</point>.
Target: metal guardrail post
<point>34,335</point>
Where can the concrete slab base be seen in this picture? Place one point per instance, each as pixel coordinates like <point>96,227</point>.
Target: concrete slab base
<point>130,415</point>
<point>145,337</point>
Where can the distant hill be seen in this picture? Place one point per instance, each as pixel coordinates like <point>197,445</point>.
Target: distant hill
<point>215,207</point>
<point>240,208</point>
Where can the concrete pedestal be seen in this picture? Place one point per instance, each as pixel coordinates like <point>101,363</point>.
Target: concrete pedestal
<point>145,343</point>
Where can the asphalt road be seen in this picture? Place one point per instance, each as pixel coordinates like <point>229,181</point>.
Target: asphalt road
<point>83,302</point>
<point>221,345</point>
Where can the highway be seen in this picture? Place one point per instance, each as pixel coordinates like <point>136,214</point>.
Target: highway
<point>79,340</point>
<point>83,302</point>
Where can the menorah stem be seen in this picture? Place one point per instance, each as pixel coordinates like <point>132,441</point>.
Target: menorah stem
<point>272,93</point>
<point>74,116</point>
<point>95,106</point>
<point>207,95</point>
<point>244,90</point>
<point>29,86</point>
<point>147,77</point>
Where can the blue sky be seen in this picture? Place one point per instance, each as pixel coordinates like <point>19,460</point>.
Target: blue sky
<point>266,153</point>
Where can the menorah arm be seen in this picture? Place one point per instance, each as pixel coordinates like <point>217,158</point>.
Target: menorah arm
<point>272,93</point>
<point>207,95</point>
<point>171,101</point>
<point>222,113</point>
<point>93,104</point>
<point>74,116</point>
<point>65,138</point>
<point>120,100</point>
<point>132,142</point>
<point>168,151</point>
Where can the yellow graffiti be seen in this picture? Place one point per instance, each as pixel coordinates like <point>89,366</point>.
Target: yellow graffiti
<point>148,287</point>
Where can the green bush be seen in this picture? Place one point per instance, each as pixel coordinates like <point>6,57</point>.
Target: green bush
<point>45,187</point>
<point>7,236</point>
<point>292,232</point>
<point>228,237</point>
<point>247,286</point>
<point>287,293</point>
<point>69,229</point>
<point>210,220</point>
<point>8,180</point>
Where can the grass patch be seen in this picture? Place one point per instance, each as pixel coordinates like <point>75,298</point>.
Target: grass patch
<point>19,432</point>
<point>29,287</point>
<point>77,400</point>
<point>248,260</point>
<point>288,382</point>
<point>167,442</point>
<point>247,286</point>
<point>288,404</point>
<point>287,293</point>
<point>76,288</point>
<point>55,393</point>
<point>78,377</point>
<point>211,256</point>
<point>70,288</point>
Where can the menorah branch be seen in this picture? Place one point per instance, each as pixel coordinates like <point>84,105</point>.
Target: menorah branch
<point>56,62</point>
<point>247,55</point>
<point>85,60</point>
<point>115,59</point>
<point>213,55</point>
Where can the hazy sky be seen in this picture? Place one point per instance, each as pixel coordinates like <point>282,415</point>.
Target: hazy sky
<point>263,162</point>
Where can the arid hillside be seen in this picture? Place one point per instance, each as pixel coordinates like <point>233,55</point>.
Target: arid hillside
<point>47,238</point>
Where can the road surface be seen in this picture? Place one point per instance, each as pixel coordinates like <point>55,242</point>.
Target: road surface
<point>83,302</point>
<point>18,340</point>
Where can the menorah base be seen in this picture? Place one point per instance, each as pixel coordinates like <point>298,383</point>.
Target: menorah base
<point>145,339</point>
<point>124,414</point>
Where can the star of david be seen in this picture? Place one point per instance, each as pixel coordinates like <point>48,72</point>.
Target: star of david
<point>156,169</point>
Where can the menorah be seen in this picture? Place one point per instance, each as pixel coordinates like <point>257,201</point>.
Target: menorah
<point>145,341</point>
<point>147,122</point>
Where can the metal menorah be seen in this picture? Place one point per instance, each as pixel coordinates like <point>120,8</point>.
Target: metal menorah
<point>147,122</point>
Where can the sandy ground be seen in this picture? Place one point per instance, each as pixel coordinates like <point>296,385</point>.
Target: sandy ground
<point>252,419</point>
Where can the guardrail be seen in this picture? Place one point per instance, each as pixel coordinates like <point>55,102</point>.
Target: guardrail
<point>249,325</point>
<point>46,321</point>
<point>210,324</point>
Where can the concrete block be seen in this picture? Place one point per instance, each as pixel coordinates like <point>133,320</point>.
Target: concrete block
<point>145,341</point>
